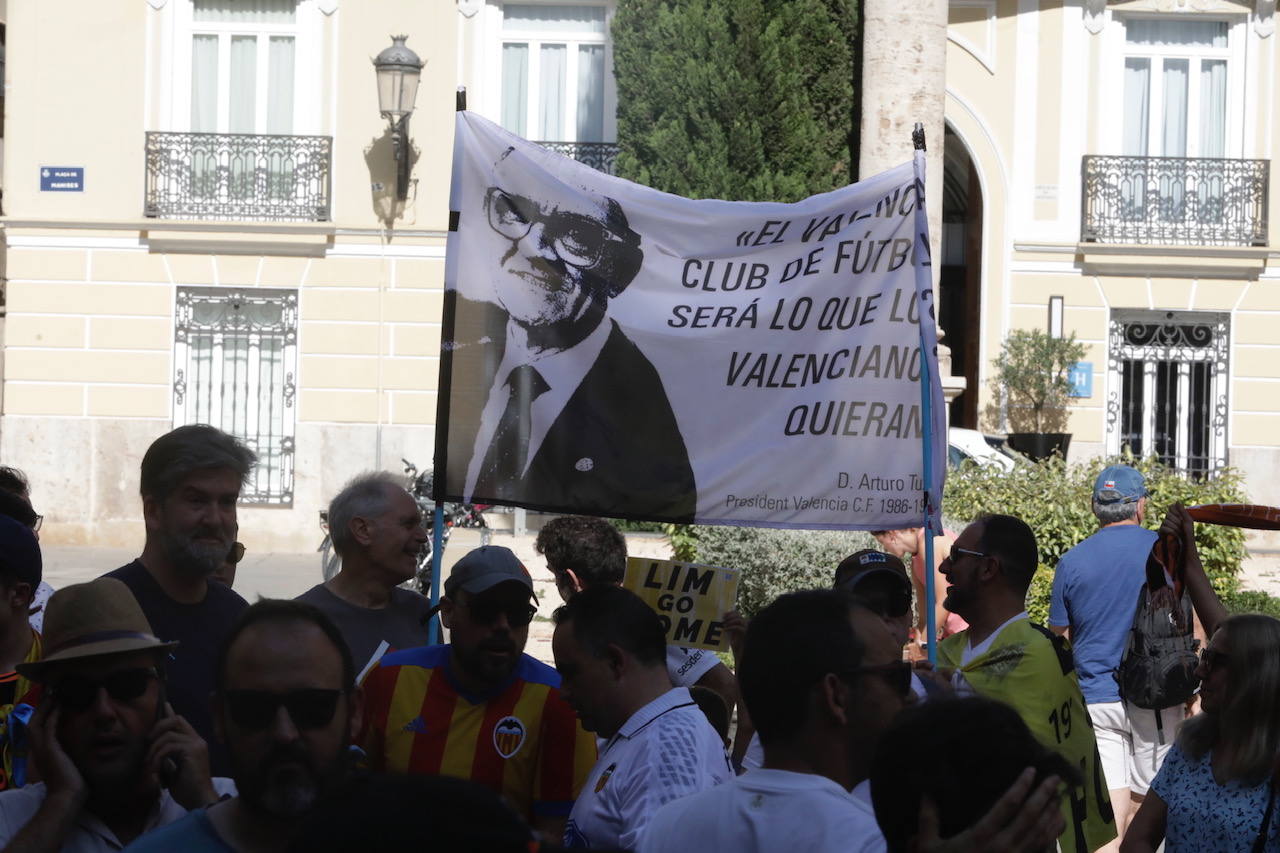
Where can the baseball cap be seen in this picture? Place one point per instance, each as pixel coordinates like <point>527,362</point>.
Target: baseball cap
<point>866,563</point>
<point>1119,484</point>
<point>485,567</point>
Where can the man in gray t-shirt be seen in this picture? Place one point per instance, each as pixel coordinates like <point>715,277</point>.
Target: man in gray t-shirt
<point>377,530</point>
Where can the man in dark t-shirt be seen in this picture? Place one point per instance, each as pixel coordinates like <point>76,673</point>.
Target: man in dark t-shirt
<point>377,530</point>
<point>191,480</point>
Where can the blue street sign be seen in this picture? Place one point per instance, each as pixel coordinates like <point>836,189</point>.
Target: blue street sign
<point>1080,376</point>
<point>62,179</point>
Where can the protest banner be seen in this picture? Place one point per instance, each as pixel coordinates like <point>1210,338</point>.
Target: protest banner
<point>614,350</point>
<point>690,599</point>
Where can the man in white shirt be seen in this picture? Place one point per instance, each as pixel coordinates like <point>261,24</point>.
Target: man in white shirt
<point>584,551</point>
<point>822,678</point>
<point>610,650</point>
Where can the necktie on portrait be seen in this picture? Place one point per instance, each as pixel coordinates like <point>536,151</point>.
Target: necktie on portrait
<point>508,452</point>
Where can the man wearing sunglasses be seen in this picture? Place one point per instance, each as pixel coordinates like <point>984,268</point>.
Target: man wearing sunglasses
<point>572,413</point>
<point>287,707</point>
<point>478,707</point>
<point>1003,655</point>
<point>822,678</point>
<point>114,759</point>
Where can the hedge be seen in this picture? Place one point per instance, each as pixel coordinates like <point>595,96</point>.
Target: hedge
<point>1054,498</point>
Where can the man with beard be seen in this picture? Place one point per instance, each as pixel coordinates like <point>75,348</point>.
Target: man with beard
<point>115,761</point>
<point>479,708</point>
<point>377,531</point>
<point>191,479</point>
<point>1003,655</point>
<point>286,708</point>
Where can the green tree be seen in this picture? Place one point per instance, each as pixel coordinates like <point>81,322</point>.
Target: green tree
<point>1032,370</point>
<point>738,99</point>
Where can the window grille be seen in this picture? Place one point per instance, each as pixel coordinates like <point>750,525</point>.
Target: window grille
<point>235,358</point>
<point>1168,387</point>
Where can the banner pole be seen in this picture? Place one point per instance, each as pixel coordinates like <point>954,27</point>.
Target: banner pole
<point>926,411</point>
<point>437,558</point>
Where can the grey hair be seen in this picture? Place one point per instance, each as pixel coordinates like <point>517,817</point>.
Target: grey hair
<point>1112,513</point>
<point>364,496</point>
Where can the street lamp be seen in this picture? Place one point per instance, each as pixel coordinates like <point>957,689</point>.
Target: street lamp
<point>398,70</point>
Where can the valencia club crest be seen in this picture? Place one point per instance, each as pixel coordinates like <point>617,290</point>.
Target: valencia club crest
<point>508,736</point>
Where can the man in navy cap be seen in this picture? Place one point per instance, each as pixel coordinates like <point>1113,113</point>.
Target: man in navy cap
<point>1095,591</point>
<point>478,707</point>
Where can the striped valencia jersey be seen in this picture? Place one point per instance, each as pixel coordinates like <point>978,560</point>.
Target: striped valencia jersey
<point>523,741</point>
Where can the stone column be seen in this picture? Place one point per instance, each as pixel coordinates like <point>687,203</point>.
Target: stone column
<point>904,79</point>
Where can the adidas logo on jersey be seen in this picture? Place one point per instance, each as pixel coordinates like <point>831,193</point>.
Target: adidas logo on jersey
<point>417,725</point>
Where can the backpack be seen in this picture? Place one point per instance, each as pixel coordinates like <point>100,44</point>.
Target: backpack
<point>1158,667</point>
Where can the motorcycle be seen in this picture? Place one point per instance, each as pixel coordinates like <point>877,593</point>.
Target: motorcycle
<point>419,487</point>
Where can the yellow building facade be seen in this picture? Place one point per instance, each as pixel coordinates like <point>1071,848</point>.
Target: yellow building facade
<point>200,225</point>
<point>1108,173</point>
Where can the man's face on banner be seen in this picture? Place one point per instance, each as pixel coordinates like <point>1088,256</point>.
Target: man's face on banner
<point>554,253</point>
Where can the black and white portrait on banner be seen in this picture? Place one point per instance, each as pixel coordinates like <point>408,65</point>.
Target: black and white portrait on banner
<point>572,413</point>
<point>618,351</point>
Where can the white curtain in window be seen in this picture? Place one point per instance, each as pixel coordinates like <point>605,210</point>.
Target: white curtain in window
<point>280,85</point>
<point>1137,105</point>
<point>244,73</point>
<point>1213,108</point>
<point>246,11</point>
<point>561,19</point>
<point>1174,135</point>
<point>590,93</point>
<point>515,87</point>
<point>552,74</point>
<point>1166,32</point>
<point>204,84</point>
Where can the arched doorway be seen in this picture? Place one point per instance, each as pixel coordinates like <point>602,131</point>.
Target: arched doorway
<point>960,279</point>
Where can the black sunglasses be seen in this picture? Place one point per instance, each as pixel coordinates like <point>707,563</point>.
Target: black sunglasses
<point>484,612</point>
<point>255,710</point>
<point>75,693</point>
<point>896,674</point>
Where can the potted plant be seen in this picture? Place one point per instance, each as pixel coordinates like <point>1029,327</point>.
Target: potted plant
<point>1031,371</point>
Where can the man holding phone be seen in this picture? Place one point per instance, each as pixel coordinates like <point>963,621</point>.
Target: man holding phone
<point>116,762</point>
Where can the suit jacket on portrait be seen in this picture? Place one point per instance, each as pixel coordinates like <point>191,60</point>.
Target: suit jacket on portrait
<point>615,449</point>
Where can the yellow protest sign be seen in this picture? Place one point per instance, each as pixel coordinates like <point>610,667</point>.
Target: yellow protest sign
<point>689,599</point>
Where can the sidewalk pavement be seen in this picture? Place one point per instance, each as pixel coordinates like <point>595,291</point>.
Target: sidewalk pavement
<point>289,575</point>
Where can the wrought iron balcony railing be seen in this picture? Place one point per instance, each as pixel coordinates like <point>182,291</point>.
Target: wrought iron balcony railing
<point>1174,201</point>
<point>234,176</point>
<point>598,155</point>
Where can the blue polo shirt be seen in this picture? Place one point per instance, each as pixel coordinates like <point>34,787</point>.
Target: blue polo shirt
<point>1095,592</point>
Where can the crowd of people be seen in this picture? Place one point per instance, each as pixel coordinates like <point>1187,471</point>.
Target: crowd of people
<point>154,709</point>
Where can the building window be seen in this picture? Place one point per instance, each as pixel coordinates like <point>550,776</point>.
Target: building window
<point>1168,387</point>
<point>555,72</point>
<point>243,66</point>
<point>235,358</point>
<point>1175,87</point>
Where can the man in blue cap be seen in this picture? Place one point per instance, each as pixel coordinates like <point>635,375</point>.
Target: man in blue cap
<point>1095,591</point>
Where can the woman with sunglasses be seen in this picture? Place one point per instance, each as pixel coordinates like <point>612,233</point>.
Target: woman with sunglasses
<point>1216,790</point>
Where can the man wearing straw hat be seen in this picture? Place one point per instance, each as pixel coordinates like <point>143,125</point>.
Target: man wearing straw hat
<point>115,761</point>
